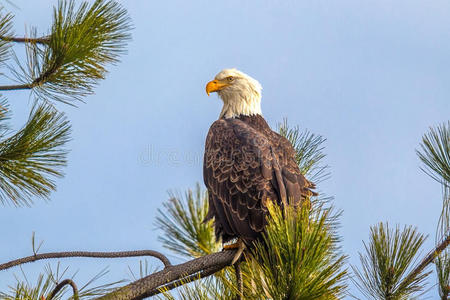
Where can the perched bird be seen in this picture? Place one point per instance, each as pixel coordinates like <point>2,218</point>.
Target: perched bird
<point>246,164</point>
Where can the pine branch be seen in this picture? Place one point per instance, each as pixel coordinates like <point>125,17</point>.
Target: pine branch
<point>61,285</point>
<point>319,265</point>
<point>117,254</point>
<point>31,155</point>
<point>435,156</point>
<point>205,289</point>
<point>435,153</point>
<point>173,276</point>
<point>40,40</point>
<point>24,291</point>
<point>442,261</point>
<point>425,262</point>
<point>15,87</point>
<point>185,233</point>
<point>444,219</point>
<point>4,116</point>
<point>386,266</point>
<point>5,29</point>
<point>45,286</point>
<point>297,259</point>
<point>68,63</point>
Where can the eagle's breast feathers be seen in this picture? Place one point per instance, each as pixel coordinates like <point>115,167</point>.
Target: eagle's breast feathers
<point>245,165</point>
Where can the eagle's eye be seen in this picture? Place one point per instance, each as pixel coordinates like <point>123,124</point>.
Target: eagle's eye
<point>230,78</point>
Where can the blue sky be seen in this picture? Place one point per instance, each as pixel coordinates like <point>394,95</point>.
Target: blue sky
<point>370,76</point>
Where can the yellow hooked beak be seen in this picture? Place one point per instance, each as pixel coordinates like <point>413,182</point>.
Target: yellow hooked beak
<point>215,85</point>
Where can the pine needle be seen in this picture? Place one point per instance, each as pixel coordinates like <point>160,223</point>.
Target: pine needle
<point>442,262</point>
<point>435,153</point>
<point>182,223</point>
<point>5,30</point>
<point>387,263</point>
<point>297,260</point>
<point>309,148</point>
<point>81,43</point>
<point>45,284</point>
<point>32,156</point>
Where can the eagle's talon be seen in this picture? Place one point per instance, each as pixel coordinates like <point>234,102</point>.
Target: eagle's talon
<point>231,246</point>
<point>240,246</point>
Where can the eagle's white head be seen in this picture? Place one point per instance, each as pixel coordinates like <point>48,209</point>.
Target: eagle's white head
<point>241,94</point>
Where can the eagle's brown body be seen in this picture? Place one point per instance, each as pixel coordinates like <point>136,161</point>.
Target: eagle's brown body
<point>245,165</point>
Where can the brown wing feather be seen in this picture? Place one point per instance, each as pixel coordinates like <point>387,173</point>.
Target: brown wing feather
<point>246,164</point>
<point>297,187</point>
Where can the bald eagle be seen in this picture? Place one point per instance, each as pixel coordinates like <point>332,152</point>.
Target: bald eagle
<point>246,164</point>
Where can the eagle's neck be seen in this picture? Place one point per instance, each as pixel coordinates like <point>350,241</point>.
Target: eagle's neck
<point>238,104</point>
<point>256,121</point>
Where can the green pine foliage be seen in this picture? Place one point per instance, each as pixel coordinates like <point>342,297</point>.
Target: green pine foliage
<point>387,267</point>
<point>387,263</point>
<point>309,151</point>
<point>82,42</point>
<point>64,65</point>
<point>5,30</point>
<point>297,259</point>
<point>185,233</point>
<point>46,283</point>
<point>205,289</point>
<point>309,148</point>
<point>32,154</point>
<point>442,262</point>
<point>435,153</point>
<point>24,291</point>
<point>443,274</point>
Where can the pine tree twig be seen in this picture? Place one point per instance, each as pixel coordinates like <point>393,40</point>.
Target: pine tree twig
<point>117,254</point>
<point>39,81</point>
<point>173,276</point>
<point>25,86</point>
<point>60,285</point>
<point>184,280</point>
<point>428,259</point>
<point>40,40</point>
<point>239,281</point>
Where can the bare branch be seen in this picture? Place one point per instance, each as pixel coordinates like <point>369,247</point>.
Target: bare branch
<point>117,254</point>
<point>61,285</point>
<point>25,86</point>
<point>41,40</point>
<point>173,276</point>
<point>184,280</point>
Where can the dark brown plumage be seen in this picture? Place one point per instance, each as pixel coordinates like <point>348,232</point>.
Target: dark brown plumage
<point>245,165</point>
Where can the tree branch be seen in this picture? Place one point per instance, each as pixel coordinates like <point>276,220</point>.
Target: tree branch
<point>61,285</point>
<point>428,259</point>
<point>40,80</point>
<point>25,86</point>
<point>240,283</point>
<point>40,40</point>
<point>173,276</point>
<point>117,254</point>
